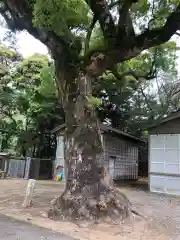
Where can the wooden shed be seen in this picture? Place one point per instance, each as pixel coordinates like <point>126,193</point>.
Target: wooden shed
<point>164,155</point>
<point>120,152</point>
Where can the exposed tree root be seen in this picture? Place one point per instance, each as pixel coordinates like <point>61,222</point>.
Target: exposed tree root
<point>91,204</point>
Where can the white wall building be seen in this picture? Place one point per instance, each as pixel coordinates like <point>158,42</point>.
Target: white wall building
<point>164,156</point>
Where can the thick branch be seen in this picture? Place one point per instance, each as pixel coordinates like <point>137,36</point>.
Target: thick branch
<point>21,19</point>
<point>129,49</point>
<point>89,32</point>
<point>125,26</point>
<point>66,51</point>
<point>102,13</point>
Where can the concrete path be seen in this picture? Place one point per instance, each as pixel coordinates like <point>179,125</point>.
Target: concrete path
<point>15,230</point>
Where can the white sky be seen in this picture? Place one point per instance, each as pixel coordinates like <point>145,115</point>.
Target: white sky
<point>28,45</point>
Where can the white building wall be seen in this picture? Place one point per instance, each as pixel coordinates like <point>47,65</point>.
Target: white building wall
<point>164,163</point>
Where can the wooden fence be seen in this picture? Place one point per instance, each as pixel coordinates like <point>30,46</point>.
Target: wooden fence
<point>16,168</point>
<point>30,168</point>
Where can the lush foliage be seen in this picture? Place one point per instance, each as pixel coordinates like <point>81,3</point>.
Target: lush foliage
<point>29,105</point>
<point>60,15</point>
<point>73,18</point>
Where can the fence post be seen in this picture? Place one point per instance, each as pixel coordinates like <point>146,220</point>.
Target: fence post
<point>27,168</point>
<point>6,167</point>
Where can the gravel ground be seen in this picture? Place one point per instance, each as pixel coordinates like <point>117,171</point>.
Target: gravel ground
<point>162,212</point>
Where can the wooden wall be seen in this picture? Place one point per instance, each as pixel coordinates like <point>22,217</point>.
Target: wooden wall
<point>125,155</point>
<point>170,127</point>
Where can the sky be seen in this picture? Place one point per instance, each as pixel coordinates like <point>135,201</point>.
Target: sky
<point>28,45</point>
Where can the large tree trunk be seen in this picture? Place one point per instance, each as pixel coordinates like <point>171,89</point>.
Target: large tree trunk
<point>90,194</point>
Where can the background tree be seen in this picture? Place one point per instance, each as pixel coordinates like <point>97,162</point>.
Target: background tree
<point>130,101</point>
<point>37,106</point>
<point>126,29</point>
<point>29,105</point>
<point>8,123</point>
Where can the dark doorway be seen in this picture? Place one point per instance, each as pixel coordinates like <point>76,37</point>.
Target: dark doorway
<point>45,169</point>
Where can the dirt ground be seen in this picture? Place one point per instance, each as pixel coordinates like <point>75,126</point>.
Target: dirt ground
<point>162,212</point>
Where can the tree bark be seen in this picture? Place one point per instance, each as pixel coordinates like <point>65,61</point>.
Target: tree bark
<point>90,194</point>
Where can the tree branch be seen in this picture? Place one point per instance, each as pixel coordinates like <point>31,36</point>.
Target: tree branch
<point>125,26</point>
<point>89,33</point>
<point>146,100</point>
<point>66,51</point>
<point>130,49</point>
<point>102,14</point>
<point>88,36</point>
<point>21,18</point>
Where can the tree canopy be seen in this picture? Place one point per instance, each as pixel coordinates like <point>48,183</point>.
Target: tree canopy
<point>121,29</point>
